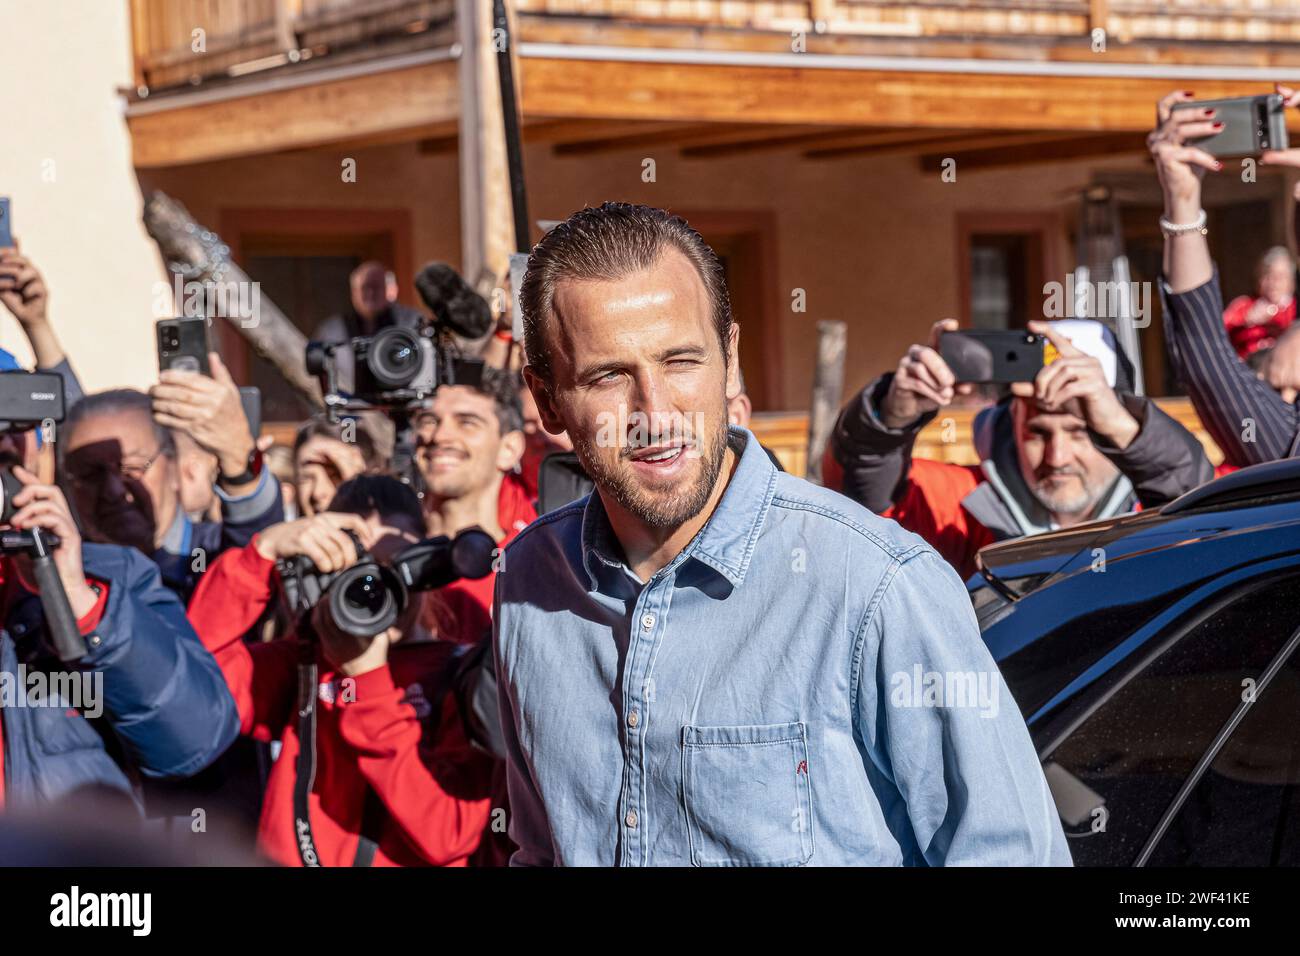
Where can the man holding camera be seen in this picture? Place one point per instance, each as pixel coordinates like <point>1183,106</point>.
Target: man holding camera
<point>389,777</point>
<point>698,664</point>
<point>143,672</point>
<point>121,461</point>
<point>372,306</point>
<point>1061,450</point>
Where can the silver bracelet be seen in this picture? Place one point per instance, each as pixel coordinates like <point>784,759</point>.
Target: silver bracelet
<point>1171,229</point>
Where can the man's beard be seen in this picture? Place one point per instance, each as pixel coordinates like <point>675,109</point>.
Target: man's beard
<point>664,510</point>
<point>1063,503</point>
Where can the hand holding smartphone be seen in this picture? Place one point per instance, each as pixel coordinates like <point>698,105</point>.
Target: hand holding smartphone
<point>993,356</point>
<point>1251,125</point>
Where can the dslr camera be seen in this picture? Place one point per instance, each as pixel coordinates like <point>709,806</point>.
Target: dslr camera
<point>398,368</point>
<point>367,598</point>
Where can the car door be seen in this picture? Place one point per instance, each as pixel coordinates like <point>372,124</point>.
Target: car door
<point>1155,754</point>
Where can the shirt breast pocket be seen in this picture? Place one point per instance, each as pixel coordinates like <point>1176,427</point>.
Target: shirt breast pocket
<point>747,794</point>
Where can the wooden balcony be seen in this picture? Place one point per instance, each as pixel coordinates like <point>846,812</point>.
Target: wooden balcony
<point>240,37</point>
<point>983,82</point>
<point>243,36</point>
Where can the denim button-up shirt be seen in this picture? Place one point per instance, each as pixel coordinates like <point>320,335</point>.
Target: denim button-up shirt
<point>803,684</point>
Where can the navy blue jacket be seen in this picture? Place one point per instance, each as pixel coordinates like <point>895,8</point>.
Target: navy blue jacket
<point>166,710</point>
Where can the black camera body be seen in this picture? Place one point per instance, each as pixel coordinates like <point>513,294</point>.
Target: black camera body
<point>29,399</point>
<point>367,598</point>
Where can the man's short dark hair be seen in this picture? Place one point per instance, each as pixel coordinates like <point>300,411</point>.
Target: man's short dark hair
<point>606,243</point>
<point>383,495</point>
<point>503,388</point>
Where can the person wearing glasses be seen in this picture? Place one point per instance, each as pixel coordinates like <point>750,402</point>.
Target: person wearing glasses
<point>130,463</point>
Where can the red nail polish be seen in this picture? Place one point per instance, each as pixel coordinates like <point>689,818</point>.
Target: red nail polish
<point>1188,93</point>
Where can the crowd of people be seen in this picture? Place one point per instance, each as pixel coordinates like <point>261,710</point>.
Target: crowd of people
<point>681,654</point>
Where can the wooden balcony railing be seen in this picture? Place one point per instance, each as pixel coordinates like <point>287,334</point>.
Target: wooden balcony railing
<point>1257,21</point>
<point>241,35</point>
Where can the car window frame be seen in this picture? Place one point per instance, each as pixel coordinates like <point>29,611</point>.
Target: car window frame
<point>1212,752</point>
<point>1230,590</point>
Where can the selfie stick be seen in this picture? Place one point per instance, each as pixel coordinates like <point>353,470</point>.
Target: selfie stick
<point>59,619</point>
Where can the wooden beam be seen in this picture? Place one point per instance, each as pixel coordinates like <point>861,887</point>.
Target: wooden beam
<point>699,93</point>
<point>395,101</point>
<point>562,131</point>
<point>486,215</point>
<point>1103,144</point>
<point>960,142</point>
<point>816,138</point>
<point>677,137</point>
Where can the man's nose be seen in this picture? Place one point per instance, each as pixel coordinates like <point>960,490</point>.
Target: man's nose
<point>1056,454</point>
<point>649,393</point>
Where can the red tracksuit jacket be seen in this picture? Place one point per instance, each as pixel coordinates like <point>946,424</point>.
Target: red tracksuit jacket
<point>436,794</point>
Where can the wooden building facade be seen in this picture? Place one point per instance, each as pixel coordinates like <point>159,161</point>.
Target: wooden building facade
<point>807,139</point>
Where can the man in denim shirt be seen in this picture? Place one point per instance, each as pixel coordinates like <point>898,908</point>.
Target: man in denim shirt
<point>709,662</point>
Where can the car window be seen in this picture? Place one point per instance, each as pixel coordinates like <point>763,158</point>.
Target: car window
<point>1245,809</point>
<point>1115,775</point>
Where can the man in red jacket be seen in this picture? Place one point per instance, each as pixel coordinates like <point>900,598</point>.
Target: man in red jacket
<point>395,781</point>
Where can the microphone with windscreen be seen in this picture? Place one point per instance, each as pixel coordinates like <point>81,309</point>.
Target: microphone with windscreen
<point>455,306</point>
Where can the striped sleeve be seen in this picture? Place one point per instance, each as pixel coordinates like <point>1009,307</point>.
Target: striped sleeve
<point>1245,416</point>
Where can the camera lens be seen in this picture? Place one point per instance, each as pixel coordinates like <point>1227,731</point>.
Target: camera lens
<point>364,601</point>
<point>366,596</point>
<point>394,358</point>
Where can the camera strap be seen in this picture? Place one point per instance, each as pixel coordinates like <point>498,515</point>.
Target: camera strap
<point>373,811</point>
<point>305,777</point>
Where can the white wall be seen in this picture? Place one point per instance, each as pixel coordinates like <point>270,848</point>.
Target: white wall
<point>65,162</point>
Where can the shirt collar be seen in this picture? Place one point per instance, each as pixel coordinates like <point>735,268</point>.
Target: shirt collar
<point>726,542</point>
<point>177,538</point>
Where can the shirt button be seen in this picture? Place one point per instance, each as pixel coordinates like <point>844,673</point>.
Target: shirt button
<point>648,621</point>
<point>633,719</point>
<point>630,819</point>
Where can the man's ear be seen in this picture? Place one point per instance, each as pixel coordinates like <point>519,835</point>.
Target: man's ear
<point>511,451</point>
<point>546,407</point>
<point>733,361</point>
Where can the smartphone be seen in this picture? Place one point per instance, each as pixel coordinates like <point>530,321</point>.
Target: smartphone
<point>250,396</point>
<point>6,227</point>
<point>992,356</point>
<point>1251,124</point>
<point>183,345</point>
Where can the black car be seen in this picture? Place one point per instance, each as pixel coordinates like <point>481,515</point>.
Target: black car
<point>1154,657</point>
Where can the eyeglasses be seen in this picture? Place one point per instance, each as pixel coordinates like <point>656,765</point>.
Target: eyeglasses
<point>93,473</point>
